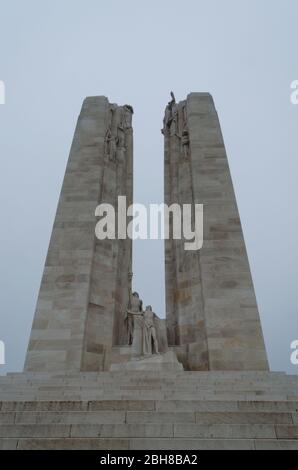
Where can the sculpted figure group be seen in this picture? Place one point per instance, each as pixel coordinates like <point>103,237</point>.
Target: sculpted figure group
<point>175,124</point>
<point>149,331</point>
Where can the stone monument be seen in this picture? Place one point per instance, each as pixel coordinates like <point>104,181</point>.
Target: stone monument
<point>212,316</point>
<point>79,313</point>
<point>102,372</point>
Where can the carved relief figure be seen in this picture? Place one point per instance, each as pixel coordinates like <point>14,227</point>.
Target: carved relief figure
<point>185,143</point>
<point>184,117</point>
<point>150,343</point>
<point>170,121</point>
<point>121,148</point>
<point>115,139</point>
<point>174,121</point>
<point>110,145</point>
<point>128,112</point>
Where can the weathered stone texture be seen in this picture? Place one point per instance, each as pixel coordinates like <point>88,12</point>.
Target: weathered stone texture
<point>84,286</point>
<point>149,410</point>
<point>212,314</point>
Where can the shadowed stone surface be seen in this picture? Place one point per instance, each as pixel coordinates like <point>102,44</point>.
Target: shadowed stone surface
<point>84,285</point>
<point>212,314</point>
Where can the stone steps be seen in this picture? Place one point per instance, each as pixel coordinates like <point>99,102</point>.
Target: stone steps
<point>151,405</point>
<point>216,386</point>
<point>152,396</point>
<point>110,417</point>
<point>226,410</point>
<point>164,387</point>
<point>106,383</point>
<point>110,424</point>
<point>149,378</point>
<point>145,443</point>
<point>151,430</point>
<point>143,378</point>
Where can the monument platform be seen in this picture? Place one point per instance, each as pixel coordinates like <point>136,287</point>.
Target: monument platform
<point>157,362</point>
<point>149,410</point>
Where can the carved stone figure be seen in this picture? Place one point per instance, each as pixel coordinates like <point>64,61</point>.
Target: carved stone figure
<point>171,116</point>
<point>150,343</point>
<point>111,145</point>
<point>174,122</point>
<point>184,118</point>
<point>120,119</point>
<point>128,112</point>
<point>121,148</point>
<point>135,307</point>
<point>112,110</point>
<point>121,136</point>
<point>185,143</point>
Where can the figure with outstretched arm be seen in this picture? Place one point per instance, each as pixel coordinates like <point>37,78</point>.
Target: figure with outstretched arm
<point>135,307</point>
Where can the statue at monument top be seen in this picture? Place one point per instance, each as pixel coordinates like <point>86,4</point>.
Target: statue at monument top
<point>170,118</point>
<point>128,107</point>
<point>127,116</point>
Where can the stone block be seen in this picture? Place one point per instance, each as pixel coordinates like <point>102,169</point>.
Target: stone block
<point>160,417</point>
<point>223,431</point>
<point>191,444</point>
<point>122,430</point>
<point>73,444</point>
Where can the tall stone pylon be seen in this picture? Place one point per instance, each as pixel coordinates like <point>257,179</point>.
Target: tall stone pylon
<point>212,316</point>
<point>79,313</point>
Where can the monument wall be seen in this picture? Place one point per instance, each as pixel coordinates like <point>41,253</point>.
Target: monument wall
<point>212,315</point>
<point>79,314</point>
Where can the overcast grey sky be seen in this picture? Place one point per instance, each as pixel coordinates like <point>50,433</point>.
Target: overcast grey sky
<point>55,53</point>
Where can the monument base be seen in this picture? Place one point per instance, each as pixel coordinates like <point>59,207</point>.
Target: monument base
<point>156,362</point>
<point>128,410</point>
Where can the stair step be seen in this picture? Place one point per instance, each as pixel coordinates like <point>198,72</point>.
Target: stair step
<point>151,430</point>
<point>147,443</point>
<point>151,405</point>
<point>195,410</point>
<point>99,417</point>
